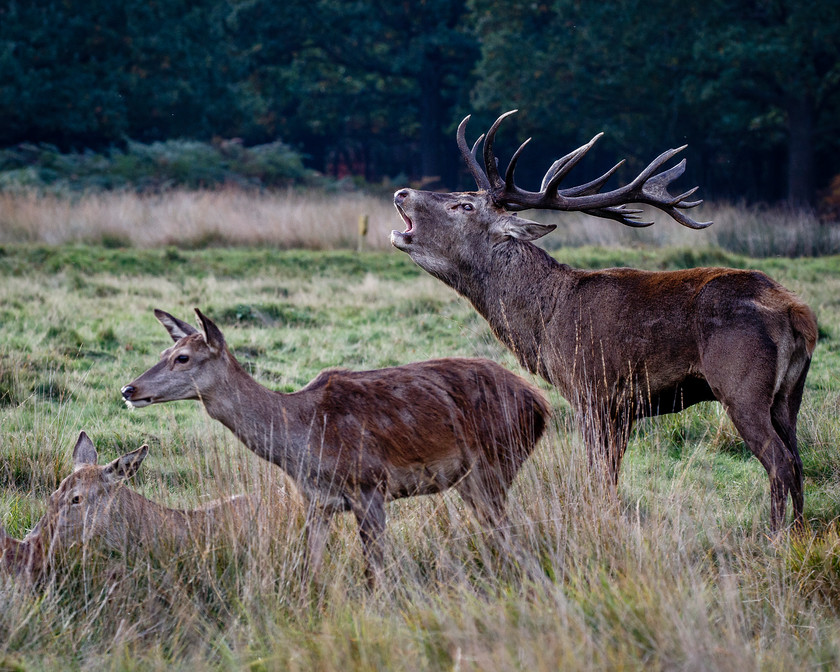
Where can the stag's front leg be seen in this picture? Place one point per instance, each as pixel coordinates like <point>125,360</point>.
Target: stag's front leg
<point>369,508</point>
<point>605,435</point>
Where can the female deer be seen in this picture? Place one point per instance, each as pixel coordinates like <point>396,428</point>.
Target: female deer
<point>93,504</point>
<point>352,440</point>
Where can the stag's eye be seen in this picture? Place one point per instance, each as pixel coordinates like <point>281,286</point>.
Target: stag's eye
<point>467,207</point>
<point>76,499</point>
<point>182,359</point>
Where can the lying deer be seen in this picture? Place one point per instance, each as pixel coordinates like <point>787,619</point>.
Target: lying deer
<point>620,344</point>
<point>93,505</point>
<point>352,440</point>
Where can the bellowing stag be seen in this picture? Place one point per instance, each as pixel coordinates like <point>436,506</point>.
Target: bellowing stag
<point>620,344</point>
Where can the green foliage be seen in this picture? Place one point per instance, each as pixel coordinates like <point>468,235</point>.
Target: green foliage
<point>371,89</point>
<point>156,166</point>
<point>740,81</point>
<point>815,561</point>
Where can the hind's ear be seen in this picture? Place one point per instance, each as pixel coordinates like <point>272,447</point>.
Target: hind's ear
<point>126,466</point>
<point>177,328</point>
<point>212,334</point>
<point>84,453</point>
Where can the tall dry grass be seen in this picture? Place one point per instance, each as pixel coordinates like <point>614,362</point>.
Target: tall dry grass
<point>587,581</point>
<point>288,219</point>
<point>323,220</point>
<point>755,231</point>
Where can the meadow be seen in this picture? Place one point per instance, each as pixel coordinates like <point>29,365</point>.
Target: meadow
<point>676,572</point>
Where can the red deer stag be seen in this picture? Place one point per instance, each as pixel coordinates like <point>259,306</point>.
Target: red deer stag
<point>620,344</point>
<point>352,440</point>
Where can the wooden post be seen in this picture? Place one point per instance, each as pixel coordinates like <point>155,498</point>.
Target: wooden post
<point>363,229</point>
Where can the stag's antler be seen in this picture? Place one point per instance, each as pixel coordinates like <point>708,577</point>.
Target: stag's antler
<point>650,187</point>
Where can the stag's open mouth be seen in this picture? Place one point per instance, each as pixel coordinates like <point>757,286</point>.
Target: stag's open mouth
<point>402,239</point>
<point>409,225</point>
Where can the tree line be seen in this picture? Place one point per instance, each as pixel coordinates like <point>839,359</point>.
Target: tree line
<point>376,89</point>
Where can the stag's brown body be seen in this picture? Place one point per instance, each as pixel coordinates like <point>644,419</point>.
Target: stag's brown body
<point>352,440</point>
<point>621,343</point>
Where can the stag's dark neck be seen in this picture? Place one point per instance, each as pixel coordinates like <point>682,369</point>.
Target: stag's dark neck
<point>519,291</point>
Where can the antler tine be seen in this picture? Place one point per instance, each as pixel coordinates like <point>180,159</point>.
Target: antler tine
<point>644,178</point>
<point>490,166</point>
<point>571,161</point>
<point>677,201</point>
<point>594,186</point>
<point>470,155</point>
<point>622,214</point>
<point>557,165</point>
<point>684,219</point>
<point>509,184</point>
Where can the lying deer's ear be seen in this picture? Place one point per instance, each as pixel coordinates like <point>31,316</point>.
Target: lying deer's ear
<point>84,453</point>
<point>212,334</point>
<point>523,229</point>
<point>126,466</point>
<point>177,329</point>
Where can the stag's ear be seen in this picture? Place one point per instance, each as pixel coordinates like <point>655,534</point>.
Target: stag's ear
<point>126,466</point>
<point>523,229</point>
<point>84,453</point>
<point>212,334</point>
<point>177,329</point>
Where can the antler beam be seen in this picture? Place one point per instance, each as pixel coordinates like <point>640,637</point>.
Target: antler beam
<point>650,187</point>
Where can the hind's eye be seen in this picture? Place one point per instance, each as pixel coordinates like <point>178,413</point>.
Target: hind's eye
<point>76,499</point>
<point>182,359</point>
<point>467,207</point>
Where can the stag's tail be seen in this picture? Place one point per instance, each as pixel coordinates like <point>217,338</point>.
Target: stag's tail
<point>804,324</point>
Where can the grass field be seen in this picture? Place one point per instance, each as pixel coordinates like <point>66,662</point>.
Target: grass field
<point>677,573</point>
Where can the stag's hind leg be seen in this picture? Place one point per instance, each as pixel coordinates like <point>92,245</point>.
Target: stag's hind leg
<point>753,420</point>
<point>743,375</point>
<point>783,413</point>
<point>783,468</point>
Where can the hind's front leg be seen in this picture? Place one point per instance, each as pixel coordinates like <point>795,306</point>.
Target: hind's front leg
<point>317,531</point>
<point>369,508</point>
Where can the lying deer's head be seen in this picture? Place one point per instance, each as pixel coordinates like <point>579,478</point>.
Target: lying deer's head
<point>83,506</point>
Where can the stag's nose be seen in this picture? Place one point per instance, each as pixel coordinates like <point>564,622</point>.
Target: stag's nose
<point>401,195</point>
<point>127,391</point>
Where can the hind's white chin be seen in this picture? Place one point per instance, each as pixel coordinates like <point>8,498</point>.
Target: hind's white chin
<point>137,404</point>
